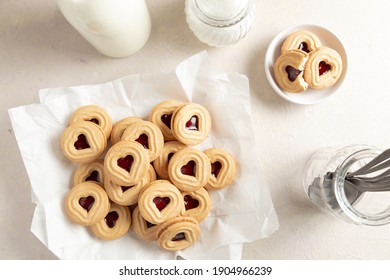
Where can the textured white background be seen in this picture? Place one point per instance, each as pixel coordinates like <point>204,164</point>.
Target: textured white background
<point>39,49</point>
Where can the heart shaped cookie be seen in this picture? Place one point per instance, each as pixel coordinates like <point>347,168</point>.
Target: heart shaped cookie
<point>86,204</point>
<point>288,71</point>
<point>191,123</point>
<point>189,169</point>
<point>159,201</point>
<point>178,233</point>
<point>161,162</point>
<point>95,114</point>
<point>128,195</point>
<point>301,40</point>
<point>148,135</point>
<point>197,204</point>
<point>115,224</point>
<point>126,163</point>
<point>323,68</point>
<point>223,169</point>
<point>161,115</point>
<point>83,142</point>
<point>93,171</point>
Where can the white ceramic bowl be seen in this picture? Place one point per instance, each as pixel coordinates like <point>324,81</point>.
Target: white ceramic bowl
<point>310,96</point>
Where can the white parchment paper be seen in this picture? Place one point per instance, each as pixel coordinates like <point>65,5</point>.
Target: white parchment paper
<point>241,213</point>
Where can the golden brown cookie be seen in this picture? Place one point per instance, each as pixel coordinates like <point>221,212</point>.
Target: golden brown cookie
<point>288,71</point>
<point>128,195</point>
<point>197,204</point>
<point>143,229</point>
<point>178,233</point>
<point>120,126</point>
<point>161,115</point>
<point>301,40</point>
<point>223,169</point>
<point>126,163</point>
<point>148,135</point>
<point>191,124</point>
<point>93,171</point>
<point>83,142</point>
<point>115,224</point>
<point>95,114</point>
<point>323,68</point>
<point>159,201</point>
<point>189,169</point>
<point>161,162</point>
<point>86,204</point>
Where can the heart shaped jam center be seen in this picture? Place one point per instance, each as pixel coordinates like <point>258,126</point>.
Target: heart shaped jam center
<point>126,162</point>
<point>190,202</point>
<point>125,188</point>
<point>192,124</point>
<point>87,202</point>
<point>292,72</point>
<point>81,142</point>
<point>179,236</point>
<point>216,168</point>
<point>170,155</point>
<point>111,218</point>
<point>189,169</point>
<point>304,47</point>
<point>94,176</point>
<point>323,67</point>
<point>166,119</point>
<point>161,202</point>
<point>143,140</point>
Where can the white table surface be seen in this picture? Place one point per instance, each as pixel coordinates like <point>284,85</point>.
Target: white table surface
<point>39,49</point>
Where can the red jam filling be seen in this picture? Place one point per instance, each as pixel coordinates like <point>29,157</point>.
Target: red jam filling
<point>94,176</point>
<point>292,73</point>
<point>192,124</point>
<point>111,218</point>
<point>190,203</point>
<point>125,188</point>
<point>87,202</point>
<point>179,236</point>
<point>81,142</point>
<point>216,168</point>
<point>323,67</point>
<point>161,202</point>
<point>96,121</point>
<point>143,140</point>
<point>166,119</point>
<point>304,47</point>
<point>189,169</point>
<point>126,162</point>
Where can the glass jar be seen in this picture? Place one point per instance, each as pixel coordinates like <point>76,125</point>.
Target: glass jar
<point>325,185</point>
<point>220,22</point>
<point>116,28</point>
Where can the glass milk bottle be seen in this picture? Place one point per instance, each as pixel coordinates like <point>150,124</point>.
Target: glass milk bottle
<point>220,22</point>
<point>326,184</point>
<point>116,28</point>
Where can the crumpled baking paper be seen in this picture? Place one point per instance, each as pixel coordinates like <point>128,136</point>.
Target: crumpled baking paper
<point>243,212</point>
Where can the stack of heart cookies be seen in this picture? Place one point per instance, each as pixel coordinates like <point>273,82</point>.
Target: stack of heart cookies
<point>144,174</point>
<point>304,62</point>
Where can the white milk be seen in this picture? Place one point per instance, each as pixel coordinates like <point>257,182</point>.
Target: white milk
<point>116,28</point>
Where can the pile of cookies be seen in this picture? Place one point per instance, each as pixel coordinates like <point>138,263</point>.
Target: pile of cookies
<point>304,62</point>
<point>144,174</point>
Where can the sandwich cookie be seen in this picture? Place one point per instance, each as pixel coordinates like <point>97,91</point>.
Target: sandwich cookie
<point>301,40</point>
<point>141,227</point>
<point>86,204</point>
<point>161,162</point>
<point>115,224</point>
<point>95,114</point>
<point>93,171</point>
<point>161,115</point>
<point>120,126</point>
<point>83,142</point>
<point>178,233</point>
<point>197,204</point>
<point>223,169</point>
